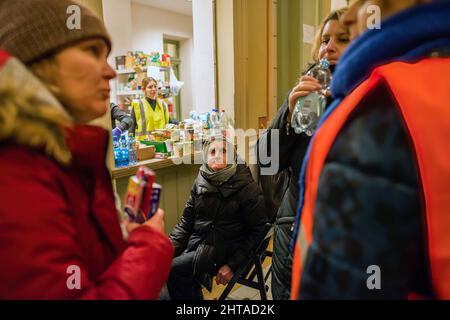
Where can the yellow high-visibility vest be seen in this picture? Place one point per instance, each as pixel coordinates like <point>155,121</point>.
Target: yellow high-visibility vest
<point>147,119</point>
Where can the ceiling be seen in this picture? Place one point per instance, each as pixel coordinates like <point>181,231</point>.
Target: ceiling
<point>178,6</point>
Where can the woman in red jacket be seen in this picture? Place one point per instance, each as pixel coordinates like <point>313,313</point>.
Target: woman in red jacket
<point>60,236</point>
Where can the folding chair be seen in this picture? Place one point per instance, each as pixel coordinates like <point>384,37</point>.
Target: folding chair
<point>253,267</point>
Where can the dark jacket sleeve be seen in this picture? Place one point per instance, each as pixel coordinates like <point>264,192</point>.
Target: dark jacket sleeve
<point>368,210</point>
<point>125,120</point>
<point>287,140</point>
<point>183,230</point>
<point>133,122</point>
<point>254,217</point>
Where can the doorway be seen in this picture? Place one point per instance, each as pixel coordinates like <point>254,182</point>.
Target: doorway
<point>172,47</point>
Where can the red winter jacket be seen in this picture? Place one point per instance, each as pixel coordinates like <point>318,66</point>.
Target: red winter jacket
<point>55,216</point>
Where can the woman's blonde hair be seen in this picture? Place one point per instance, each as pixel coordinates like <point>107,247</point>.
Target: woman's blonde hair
<point>333,16</point>
<point>47,71</point>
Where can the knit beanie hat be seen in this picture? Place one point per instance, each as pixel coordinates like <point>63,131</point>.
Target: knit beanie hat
<point>33,29</point>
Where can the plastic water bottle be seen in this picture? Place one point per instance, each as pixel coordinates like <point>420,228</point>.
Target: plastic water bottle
<point>132,149</point>
<point>215,122</point>
<point>225,124</point>
<point>309,109</point>
<point>124,151</point>
<point>206,119</point>
<point>223,120</point>
<point>117,152</point>
<point>193,115</point>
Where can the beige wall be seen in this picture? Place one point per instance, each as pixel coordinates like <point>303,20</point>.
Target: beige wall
<point>225,55</point>
<point>94,5</point>
<point>288,46</point>
<point>337,4</point>
<point>204,64</point>
<point>269,53</point>
<point>254,61</point>
<point>257,62</point>
<point>293,52</point>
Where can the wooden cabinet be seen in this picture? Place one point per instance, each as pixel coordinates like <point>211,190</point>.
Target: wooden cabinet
<point>176,181</point>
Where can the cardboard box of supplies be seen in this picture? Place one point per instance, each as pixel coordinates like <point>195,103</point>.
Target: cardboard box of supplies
<point>145,152</point>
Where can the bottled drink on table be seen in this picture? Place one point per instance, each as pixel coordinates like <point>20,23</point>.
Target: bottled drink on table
<point>117,152</point>
<point>132,149</point>
<point>223,120</point>
<point>215,122</point>
<point>226,124</point>
<point>124,151</point>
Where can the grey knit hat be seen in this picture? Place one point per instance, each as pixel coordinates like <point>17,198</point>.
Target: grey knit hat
<point>33,29</point>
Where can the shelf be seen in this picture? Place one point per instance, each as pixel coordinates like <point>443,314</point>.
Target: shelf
<point>128,71</point>
<point>130,93</point>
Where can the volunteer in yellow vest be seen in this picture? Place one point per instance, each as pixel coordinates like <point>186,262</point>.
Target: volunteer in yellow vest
<point>373,216</point>
<point>150,113</point>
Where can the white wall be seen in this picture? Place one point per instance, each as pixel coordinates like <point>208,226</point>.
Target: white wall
<point>117,18</point>
<point>149,26</point>
<point>136,27</point>
<point>186,75</point>
<point>225,55</point>
<point>203,74</point>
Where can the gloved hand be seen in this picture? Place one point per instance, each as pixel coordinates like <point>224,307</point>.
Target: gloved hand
<point>116,133</point>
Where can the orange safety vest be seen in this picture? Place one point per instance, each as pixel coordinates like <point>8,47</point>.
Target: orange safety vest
<point>422,92</point>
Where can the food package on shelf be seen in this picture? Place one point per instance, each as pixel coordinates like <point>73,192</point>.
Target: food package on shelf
<point>145,152</point>
<point>129,60</point>
<point>120,62</point>
<point>155,59</point>
<point>165,60</point>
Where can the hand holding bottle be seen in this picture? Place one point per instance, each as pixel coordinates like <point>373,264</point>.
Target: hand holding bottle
<point>116,133</point>
<point>306,85</point>
<point>308,100</point>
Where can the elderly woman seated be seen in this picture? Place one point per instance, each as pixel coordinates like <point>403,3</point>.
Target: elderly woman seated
<point>221,223</point>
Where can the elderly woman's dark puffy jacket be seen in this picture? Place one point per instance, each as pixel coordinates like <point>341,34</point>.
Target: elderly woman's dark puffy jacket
<point>222,222</point>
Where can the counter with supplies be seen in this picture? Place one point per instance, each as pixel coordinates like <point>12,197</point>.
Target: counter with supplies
<point>176,176</point>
